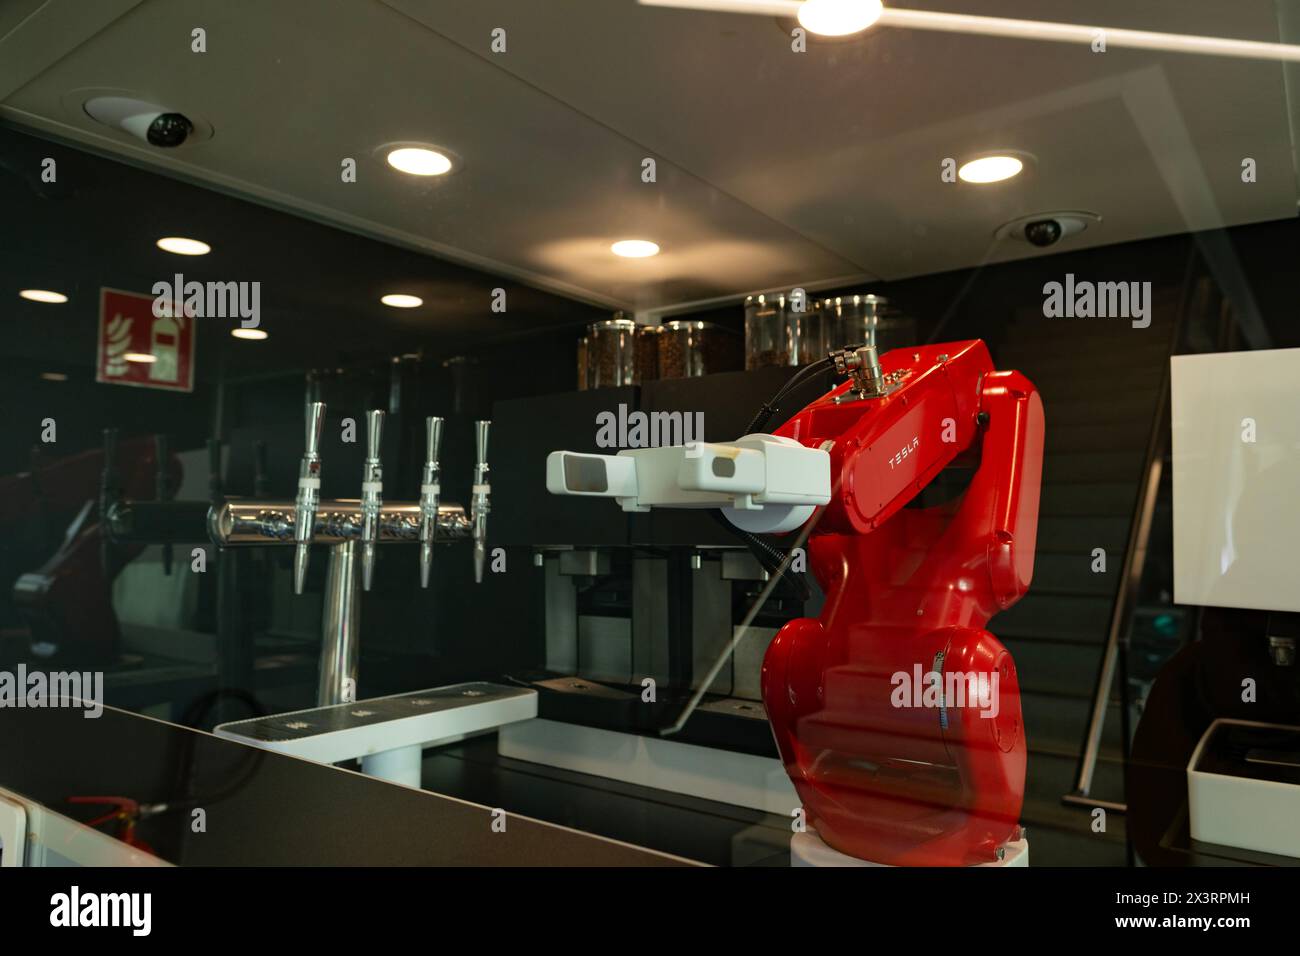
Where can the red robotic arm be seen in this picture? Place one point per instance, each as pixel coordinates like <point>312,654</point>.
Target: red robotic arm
<point>897,715</point>
<point>67,600</point>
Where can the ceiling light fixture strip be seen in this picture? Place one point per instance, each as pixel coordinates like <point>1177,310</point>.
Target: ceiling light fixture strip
<point>1019,29</point>
<point>1078,33</point>
<point>775,8</point>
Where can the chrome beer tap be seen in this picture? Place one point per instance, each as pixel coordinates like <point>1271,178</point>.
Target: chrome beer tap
<point>304,506</point>
<point>372,495</point>
<point>342,525</point>
<point>430,490</point>
<point>479,504</point>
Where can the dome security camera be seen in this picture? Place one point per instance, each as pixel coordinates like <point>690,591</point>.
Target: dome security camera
<point>1046,229</point>
<point>154,124</point>
<point>1043,232</point>
<point>168,129</point>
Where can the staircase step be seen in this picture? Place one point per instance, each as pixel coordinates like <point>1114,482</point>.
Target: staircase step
<point>1066,498</point>
<point>1054,669</point>
<point>1055,725</point>
<point>1102,407</point>
<point>1071,534</point>
<point>1093,466</point>
<point>1132,433</point>
<point>1084,387</point>
<point>1082,619</point>
<point>1064,835</point>
<point>1051,776</point>
<point>1072,574</point>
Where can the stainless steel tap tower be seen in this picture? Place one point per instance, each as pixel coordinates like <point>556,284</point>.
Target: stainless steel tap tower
<point>343,523</point>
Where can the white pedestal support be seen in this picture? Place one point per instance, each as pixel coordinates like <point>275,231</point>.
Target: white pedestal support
<point>401,765</point>
<point>808,849</point>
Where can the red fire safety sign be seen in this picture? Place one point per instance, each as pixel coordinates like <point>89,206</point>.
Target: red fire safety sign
<point>137,347</point>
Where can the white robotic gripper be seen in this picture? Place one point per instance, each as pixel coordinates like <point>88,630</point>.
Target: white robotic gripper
<point>764,484</point>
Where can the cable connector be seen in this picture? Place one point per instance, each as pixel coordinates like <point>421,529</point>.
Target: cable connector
<point>862,364</point>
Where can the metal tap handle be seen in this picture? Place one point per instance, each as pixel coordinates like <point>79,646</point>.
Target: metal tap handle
<point>432,438</point>
<point>315,424</point>
<point>430,491</point>
<point>374,432</point>
<point>481,442</point>
<point>372,495</point>
<point>308,499</point>
<point>479,504</point>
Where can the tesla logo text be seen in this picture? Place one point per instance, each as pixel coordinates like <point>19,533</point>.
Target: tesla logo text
<point>905,451</point>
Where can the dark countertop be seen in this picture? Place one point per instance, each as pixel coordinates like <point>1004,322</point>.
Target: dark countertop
<point>265,809</point>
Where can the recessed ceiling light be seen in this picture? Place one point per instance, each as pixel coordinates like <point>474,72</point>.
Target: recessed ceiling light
<point>400,301</point>
<point>839,18</point>
<point>183,247</point>
<point>990,169</point>
<point>44,295</point>
<point>144,358</point>
<point>54,376</point>
<point>253,335</point>
<point>635,248</point>
<point>419,161</point>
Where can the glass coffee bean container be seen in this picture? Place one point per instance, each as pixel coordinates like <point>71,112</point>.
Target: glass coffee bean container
<point>866,319</point>
<point>617,352</point>
<point>688,349</point>
<point>648,342</point>
<point>783,330</point>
